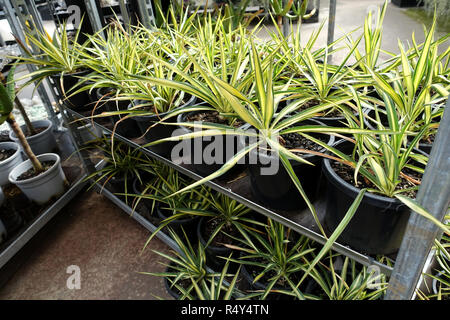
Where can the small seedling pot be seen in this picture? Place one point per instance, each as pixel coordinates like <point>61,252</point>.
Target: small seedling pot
<point>44,187</point>
<point>379,222</point>
<point>7,165</point>
<point>43,142</point>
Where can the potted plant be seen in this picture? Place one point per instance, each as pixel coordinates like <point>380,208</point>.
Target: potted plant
<point>111,61</point>
<point>273,262</point>
<point>441,279</point>
<point>40,177</point>
<point>123,165</point>
<point>228,219</point>
<point>267,125</point>
<point>339,278</point>
<point>211,106</point>
<point>60,60</point>
<point>380,162</point>
<point>188,278</point>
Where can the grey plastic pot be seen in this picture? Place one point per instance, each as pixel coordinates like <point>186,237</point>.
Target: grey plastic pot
<point>7,165</point>
<point>43,142</point>
<point>45,186</point>
<point>89,132</point>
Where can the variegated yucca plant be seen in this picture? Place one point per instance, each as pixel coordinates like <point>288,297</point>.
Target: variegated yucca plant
<point>188,274</point>
<point>57,55</point>
<point>261,114</point>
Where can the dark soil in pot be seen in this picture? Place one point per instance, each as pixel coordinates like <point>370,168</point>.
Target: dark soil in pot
<point>277,190</point>
<point>333,118</point>
<point>379,222</point>
<point>207,156</point>
<point>38,130</point>
<point>188,224</point>
<point>6,153</point>
<point>77,102</point>
<point>31,173</point>
<point>216,248</point>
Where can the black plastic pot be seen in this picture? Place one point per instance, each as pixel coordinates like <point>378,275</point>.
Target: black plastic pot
<point>277,190</point>
<point>117,184</point>
<point>126,128</point>
<point>159,131</point>
<point>379,222</point>
<point>198,146</point>
<point>188,224</point>
<point>78,102</point>
<point>213,252</point>
<point>11,221</point>
<point>174,293</point>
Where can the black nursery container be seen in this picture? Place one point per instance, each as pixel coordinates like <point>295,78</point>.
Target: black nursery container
<point>213,253</point>
<point>277,190</point>
<point>79,102</point>
<point>203,166</point>
<point>158,131</point>
<point>188,224</point>
<point>126,128</point>
<point>379,222</point>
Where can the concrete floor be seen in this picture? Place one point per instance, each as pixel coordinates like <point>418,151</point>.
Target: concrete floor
<point>105,243</point>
